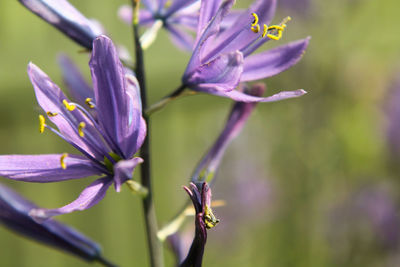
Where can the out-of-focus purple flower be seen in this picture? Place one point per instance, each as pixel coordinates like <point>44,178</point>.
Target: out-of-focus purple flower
<point>392,109</point>
<point>366,219</point>
<point>222,54</point>
<point>206,169</point>
<point>204,219</point>
<point>14,214</point>
<point>178,17</point>
<point>298,6</point>
<point>66,18</point>
<point>107,143</point>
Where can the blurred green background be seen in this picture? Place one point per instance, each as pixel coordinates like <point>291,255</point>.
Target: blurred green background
<point>293,180</point>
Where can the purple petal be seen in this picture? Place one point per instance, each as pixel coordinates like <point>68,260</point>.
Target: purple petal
<point>14,211</point>
<point>45,168</point>
<point>123,171</point>
<point>242,97</point>
<point>180,38</point>
<point>89,197</point>
<point>135,131</point>
<point>62,15</point>
<point>125,14</point>
<point>109,90</point>
<point>238,116</point>
<point>208,9</point>
<point>274,61</point>
<point>239,35</point>
<point>78,87</point>
<point>211,29</point>
<point>222,73</point>
<point>179,5</point>
<point>50,98</point>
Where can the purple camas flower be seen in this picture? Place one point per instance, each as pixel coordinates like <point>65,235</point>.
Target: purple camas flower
<point>14,214</point>
<point>204,219</point>
<point>178,17</point>
<point>66,18</point>
<point>222,57</point>
<point>107,142</point>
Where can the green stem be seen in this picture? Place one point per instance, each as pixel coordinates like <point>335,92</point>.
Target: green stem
<point>166,99</point>
<point>154,244</point>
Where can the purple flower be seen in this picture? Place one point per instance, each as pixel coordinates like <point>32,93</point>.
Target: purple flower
<point>206,169</point>
<point>66,18</point>
<point>107,143</point>
<point>178,17</point>
<point>14,214</point>
<point>204,219</point>
<point>222,57</point>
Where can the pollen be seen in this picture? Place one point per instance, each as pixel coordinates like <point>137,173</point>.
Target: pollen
<point>209,218</point>
<point>42,123</point>
<point>265,30</point>
<point>89,102</point>
<point>51,114</point>
<point>256,28</point>
<point>68,106</point>
<point>62,161</point>
<point>255,21</point>
<point>81,126</point>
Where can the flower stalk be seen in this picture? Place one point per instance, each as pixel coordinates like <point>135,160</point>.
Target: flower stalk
<point>154,244</point>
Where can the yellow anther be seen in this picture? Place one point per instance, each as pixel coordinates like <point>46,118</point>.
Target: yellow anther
<point>62,160</point>
<point>42,123</point>
<point>275,37</point>
<point>209,218</point>
<point>265,30</point>
<point>256,28</point>
<point>81,126</point>
<point>51,114</point>
<point>89,102</point>
<point>68,106</point>
<point>255,21</point>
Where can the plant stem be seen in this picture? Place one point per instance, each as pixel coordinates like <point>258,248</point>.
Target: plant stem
<point>154,244</point>
<point>166,99</point>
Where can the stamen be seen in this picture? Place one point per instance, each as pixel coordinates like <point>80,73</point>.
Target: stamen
<point>89,102</point>
<point>276,30</point>
<point>265,30</point>
<point>68,106</point>
<point>81,126</point>
<point>51,114</point>
<point>62,160</point>
<point>255,21</point>
<point>42,123</point>
<point>256,28</point>
<point>209,219</point>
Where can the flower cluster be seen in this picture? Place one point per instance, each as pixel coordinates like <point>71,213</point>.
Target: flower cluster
<point>106,122</point>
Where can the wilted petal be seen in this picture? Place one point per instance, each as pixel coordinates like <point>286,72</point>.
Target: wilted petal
<point>14,214</point>
<point>206,169</point>
<point>45,168</point>
<point>65,17</point>
<point>78,87</point>
<point>89,197</point>
<point>220,74</point>
<point>109,90</point>
<point>123,171</point>
<point>274,61</point>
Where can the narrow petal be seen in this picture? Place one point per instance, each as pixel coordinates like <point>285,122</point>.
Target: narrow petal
<point>123,171</point>
<point>14,215</point>
<point>135,130</point>
<point>66,18</point>
<point>208,9</point>
<point>221,74</point>
<point>274,61</point>
<point>242,97</point>
<point>179,5</point>
<point>125,14</point>
<point>45,168</point>
<point>109,90</point>
<point>50,98</point>
<point>180,37</point>
<point>211,29</point>
<point>78,87</point>
<point>89,197</point>
<point>240,112</point>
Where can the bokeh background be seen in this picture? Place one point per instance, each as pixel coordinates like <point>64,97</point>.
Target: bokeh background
<point>312,181</point>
